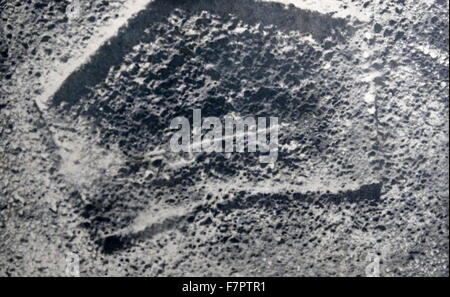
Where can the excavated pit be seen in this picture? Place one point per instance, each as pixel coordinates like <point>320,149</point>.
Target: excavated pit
<point>178,56</point>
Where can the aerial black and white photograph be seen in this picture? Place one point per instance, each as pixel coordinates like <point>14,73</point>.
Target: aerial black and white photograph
<point>224,138</point>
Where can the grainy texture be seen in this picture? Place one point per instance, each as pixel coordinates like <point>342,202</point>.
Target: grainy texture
<point>363,149</point>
